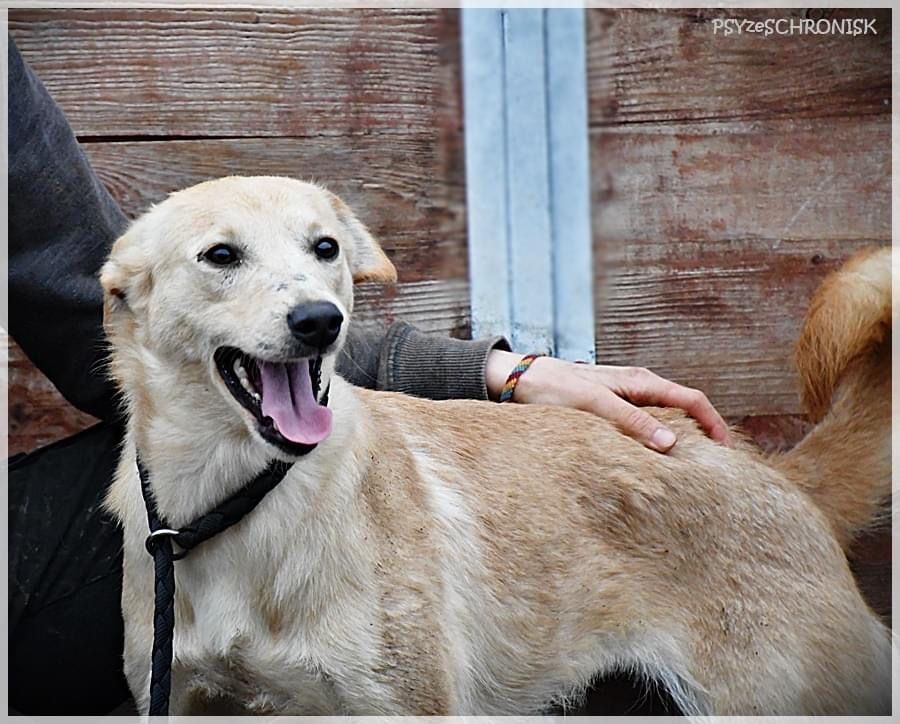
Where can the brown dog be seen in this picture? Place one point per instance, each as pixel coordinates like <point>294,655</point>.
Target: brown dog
<point>467,557</point>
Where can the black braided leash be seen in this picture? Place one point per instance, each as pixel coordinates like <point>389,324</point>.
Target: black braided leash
<point>159,545</point>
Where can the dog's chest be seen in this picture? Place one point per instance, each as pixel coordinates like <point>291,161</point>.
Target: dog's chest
<point>257,638</point>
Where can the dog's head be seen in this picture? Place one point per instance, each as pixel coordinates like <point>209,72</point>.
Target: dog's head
<point>241,288</point>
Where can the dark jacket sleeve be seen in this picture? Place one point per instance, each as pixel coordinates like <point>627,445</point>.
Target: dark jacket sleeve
<point>403,359</point>
<point>62,223</point>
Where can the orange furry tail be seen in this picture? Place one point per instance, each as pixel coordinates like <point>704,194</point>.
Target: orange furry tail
<point>844,360</point>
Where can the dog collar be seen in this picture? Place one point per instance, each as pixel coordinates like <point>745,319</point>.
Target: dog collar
<point>159,544</point>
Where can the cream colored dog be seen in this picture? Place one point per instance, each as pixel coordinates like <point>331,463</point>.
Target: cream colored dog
<point>468,557</point>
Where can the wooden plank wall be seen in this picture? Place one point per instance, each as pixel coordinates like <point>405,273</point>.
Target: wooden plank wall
<point>367,102</point>
<point>729,174</point>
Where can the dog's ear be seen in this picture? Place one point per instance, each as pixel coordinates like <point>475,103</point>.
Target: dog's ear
<point>368,262</point>
<point>124,277</point>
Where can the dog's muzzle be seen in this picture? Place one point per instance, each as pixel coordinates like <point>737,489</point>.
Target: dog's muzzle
<point>283,397</point>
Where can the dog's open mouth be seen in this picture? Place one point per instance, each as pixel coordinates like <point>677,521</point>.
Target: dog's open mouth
<point>282,396</point>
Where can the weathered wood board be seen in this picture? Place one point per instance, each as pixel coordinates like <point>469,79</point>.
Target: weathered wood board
<point>652,66</point>
<point>238,73</point>
<point>719,315</point>
<point>777,180</point>
<point>727,180</point>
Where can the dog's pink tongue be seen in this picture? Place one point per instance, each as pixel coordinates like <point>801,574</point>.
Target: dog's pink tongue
<point>287,397</point>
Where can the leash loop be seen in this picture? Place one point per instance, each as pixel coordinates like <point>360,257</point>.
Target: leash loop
<point>153,542</point>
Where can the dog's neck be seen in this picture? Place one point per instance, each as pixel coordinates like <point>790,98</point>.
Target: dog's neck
<point>195,445</point>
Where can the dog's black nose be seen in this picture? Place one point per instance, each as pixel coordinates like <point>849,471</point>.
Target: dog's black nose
<point>316,324</point>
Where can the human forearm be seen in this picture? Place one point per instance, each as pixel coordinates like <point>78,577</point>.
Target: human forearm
<point>403,359</point>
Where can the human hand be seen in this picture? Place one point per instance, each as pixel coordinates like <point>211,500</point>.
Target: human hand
<point>610,392</point>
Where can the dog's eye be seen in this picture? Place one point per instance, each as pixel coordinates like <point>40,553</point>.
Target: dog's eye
<point>326,248</point>
<point>222,255</point>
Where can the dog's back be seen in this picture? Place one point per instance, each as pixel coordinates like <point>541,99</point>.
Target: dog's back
<point>707,570</point>
<point>567,551</point>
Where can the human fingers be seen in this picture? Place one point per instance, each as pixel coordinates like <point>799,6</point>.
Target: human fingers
<point>644,387</point>
<point>632,420</point>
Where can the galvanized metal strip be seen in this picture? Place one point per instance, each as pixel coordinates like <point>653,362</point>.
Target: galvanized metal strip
<point>528,182</point>
<point>570,185</point>
<point>484,118</point>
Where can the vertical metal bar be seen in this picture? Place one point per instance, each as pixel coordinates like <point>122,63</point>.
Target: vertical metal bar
<point>570,184</point>
<point>528,179</point>
<point>529,182</point>
<point>486,182</point>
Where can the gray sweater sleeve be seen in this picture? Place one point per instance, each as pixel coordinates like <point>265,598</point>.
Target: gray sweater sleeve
<point>62,223</point>
<point>403,359</point>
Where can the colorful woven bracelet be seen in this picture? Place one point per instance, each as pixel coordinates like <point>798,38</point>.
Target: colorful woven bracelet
<point>509,388</point>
